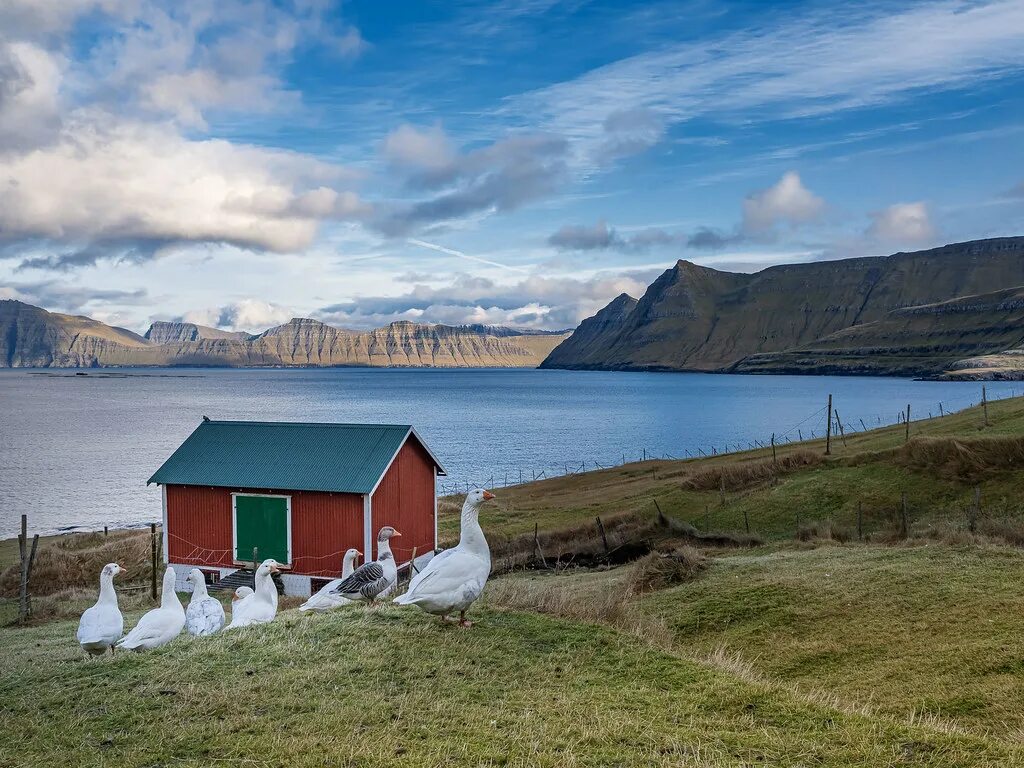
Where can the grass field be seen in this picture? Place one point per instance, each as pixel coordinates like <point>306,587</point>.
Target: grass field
<point>881,652</point>
<point>396,688</point>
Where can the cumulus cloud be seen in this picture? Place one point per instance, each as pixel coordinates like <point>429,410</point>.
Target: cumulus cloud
<point>787,201</point>
<point>602,237</point>
<point>550,303</point>
<point>902,223</point>
<point>29,83</point>
<point>501,176</point>
<point>94,163</point>
<point>245,315</point>
<point>141,182</point>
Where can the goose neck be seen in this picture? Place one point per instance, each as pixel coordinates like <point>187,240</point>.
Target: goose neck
<point>108,595</point>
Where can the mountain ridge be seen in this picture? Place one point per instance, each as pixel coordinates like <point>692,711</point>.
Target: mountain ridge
<point>694,318</point>
<point>33,337</point>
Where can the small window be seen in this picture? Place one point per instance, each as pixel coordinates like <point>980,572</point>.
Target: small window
<point>316,584</point>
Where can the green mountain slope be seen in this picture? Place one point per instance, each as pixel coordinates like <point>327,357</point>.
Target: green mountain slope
<point>696,318</point>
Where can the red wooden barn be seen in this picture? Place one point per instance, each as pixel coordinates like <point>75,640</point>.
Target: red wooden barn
<point>300,493</point>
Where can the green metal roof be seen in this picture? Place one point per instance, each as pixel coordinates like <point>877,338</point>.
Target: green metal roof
<point>341,458</point>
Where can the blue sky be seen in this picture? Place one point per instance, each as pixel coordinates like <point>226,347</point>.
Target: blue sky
<point>516,162</point>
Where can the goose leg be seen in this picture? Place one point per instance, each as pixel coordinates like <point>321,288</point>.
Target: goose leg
<point>463,621</point>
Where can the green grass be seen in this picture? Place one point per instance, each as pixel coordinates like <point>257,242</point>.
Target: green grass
<point>864,470</point>
<point>903,631</point>
<point>927,629</point>
<point>396,688</point>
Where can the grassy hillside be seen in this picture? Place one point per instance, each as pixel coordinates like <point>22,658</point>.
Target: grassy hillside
<point>905,631</point>
<point>396,688</point>
<point>938,471</point>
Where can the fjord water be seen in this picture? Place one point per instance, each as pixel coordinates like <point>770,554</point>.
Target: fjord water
<point>75,451</point>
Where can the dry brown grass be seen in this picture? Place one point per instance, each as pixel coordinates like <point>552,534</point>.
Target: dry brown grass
<point>661,570</point>
<point>613,605</point>
<point>740,475</point>
<point>74,562</point>
<point>823,530</point>
<point>968,459</point>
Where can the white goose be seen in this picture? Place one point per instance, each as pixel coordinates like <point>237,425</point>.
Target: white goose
<point>325,600</point>
<point>454,579</point>
<point>240,592</point>
<point>372,580</point>
<point>102,624</point>
<point>261,606</point>
<point>161,625</point>
<point>205,614</point>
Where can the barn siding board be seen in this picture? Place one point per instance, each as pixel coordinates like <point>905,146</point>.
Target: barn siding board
<point>324,525</point>
<point>405,500</point>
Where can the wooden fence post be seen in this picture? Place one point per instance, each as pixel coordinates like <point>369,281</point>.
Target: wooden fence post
<point>984,403</point>
<point>842,434</point>
<point>828,428</point>
<point>746,520</point>
<point>975,510</point>
<point>907,438</point>
<point>24,602</point>
<point>152,576</point>
<point>775,459</point>
<point>604,535</point>
<point>941,414</point>
<point>536,545</point>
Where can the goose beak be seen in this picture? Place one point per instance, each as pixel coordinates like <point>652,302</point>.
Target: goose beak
<point>396,533</point>
<point>123,569</point>
<point>358,553</point>
<point>488,495</point>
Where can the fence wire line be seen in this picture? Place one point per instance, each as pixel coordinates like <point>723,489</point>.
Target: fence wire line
<point>948,407</point>
<point>204,553</point>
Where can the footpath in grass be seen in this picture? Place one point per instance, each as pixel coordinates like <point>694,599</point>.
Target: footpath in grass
<point>394,687</point>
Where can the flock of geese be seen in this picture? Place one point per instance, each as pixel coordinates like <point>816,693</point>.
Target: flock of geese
<point>450,583</point>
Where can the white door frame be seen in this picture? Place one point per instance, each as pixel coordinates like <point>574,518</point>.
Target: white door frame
<point>234,522</point>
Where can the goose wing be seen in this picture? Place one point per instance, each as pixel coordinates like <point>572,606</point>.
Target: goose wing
<point>367,581</point>
<point>205,617</point>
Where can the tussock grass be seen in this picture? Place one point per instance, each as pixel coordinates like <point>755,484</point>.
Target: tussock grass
<point>660,570</point>
<point>965,458</point>
<point>74,561</point>
<point>739,475</point>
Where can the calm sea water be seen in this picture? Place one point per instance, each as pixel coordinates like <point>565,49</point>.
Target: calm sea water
<point>75,451</point>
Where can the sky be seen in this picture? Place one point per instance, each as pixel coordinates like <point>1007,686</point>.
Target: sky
<point>237,163</point>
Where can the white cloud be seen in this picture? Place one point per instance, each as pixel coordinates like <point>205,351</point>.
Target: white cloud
<point>833,59</point>
<point>131,182</point>
<point>29,84</point>
<point>536,302</point>
<point>787,201</point>
<point>250,315</point>
<point>903,223</point>
<point>422,149</point>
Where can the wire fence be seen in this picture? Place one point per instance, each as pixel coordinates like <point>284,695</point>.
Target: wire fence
<point>814,426</point>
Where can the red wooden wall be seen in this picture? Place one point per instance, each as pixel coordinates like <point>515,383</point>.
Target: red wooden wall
<point>324,525</point>
<point>405,500</point>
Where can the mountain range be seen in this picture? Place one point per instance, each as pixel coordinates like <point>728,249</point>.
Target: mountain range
<point>32,337</point>
<point>927,313</point>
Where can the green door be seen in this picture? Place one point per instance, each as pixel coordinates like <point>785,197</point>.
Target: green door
<point>261,522</point>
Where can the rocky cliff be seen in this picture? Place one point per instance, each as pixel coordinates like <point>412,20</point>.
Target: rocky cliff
<point>33,337</point>
<point>176,332</point>
<point>864,315</point>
